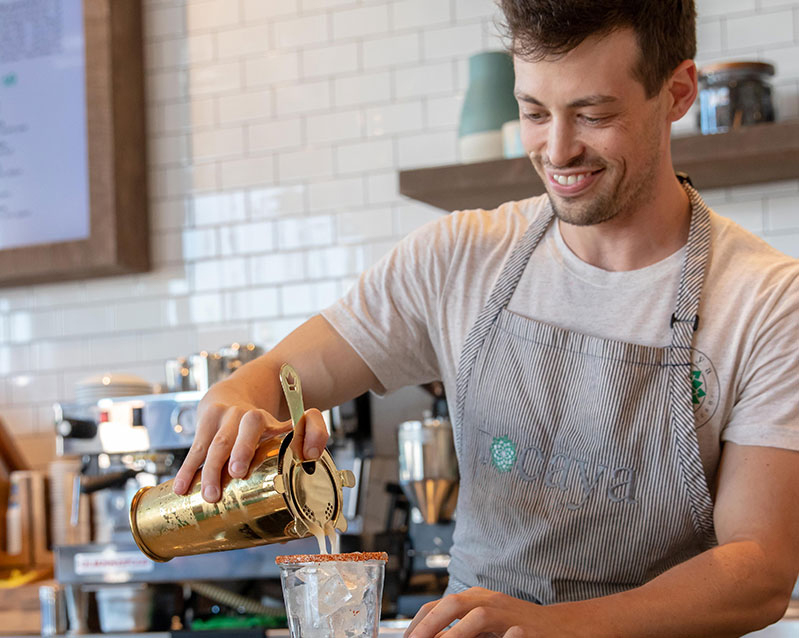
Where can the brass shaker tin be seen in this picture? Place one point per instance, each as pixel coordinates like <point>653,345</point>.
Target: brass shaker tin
<point>274,503</point>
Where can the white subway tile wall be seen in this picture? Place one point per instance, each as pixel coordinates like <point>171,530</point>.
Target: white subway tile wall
<point>276,130</point>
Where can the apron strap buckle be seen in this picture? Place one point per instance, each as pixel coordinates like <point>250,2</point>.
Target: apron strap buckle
<point>674,320</point>
<point>684,178</point>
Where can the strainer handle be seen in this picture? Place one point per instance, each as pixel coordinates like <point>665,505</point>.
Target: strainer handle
<point>292,389</point>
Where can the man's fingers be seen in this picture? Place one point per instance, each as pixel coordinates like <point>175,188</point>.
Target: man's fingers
<point>298,437</point>
<point>251,427</point>
<point>255,426</point>
<point>441,614</point>
<point>207,426</point>
<point>423,611</point>
<point>219,453</point>
<point>315,435</point>
<point>310,436</point>
<point>192,462</point>
<point>483,621</point>
<point>231,434</point>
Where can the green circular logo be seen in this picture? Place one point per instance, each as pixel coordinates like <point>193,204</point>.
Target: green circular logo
<point>503,453</point>
<point>705,390</point>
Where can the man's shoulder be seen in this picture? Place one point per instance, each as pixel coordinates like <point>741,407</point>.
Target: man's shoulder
<point>740,246</point>
<point>747,262</point>
<point>507,221</point>
<point>467,237</point>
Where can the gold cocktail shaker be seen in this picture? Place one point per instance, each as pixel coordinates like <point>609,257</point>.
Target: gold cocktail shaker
<point>281,499</point>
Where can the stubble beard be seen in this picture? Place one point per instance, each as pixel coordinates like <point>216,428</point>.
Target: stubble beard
<point>628,194</point>
<point>608,204</point>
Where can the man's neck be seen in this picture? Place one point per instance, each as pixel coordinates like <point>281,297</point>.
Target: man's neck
<point>635,239</point>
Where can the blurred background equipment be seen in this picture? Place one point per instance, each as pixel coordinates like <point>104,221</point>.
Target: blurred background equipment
<point>111,446</point>
<point>429,480</point>
<point>734,94</point>
<point>488,104</point>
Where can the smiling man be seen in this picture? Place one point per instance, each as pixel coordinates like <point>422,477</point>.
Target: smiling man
<point>622,363</point>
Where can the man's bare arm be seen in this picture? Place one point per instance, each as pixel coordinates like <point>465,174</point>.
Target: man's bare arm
<point>238,413</point>
<point>739,586</point>
<point>745,583</point>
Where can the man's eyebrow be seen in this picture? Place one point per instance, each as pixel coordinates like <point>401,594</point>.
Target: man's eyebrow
<point>523,97</point>
<point>589,100</point>
<point>592,100</point>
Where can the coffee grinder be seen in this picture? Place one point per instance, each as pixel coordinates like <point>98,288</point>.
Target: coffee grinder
<point>428,476</point>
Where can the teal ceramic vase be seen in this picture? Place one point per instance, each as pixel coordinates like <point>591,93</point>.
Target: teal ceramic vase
<point>488,104</point>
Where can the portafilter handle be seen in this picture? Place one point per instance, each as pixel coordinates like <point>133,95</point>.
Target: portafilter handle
<point>74,515</point>
<point>91,484</point>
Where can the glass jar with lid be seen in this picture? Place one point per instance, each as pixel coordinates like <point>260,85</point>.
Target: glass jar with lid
<point>734,94</point>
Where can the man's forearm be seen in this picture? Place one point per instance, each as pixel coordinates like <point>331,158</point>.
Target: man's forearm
<point>330,370</point>
<point>729,590</point>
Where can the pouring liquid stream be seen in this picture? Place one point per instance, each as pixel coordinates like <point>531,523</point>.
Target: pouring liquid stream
<point>324,534</point>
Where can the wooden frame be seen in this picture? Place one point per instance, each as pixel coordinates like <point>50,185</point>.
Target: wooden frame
<point>12,460</point>
<point>119,231</point>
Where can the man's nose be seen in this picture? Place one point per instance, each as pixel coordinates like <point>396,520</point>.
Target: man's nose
<point>563,143</point>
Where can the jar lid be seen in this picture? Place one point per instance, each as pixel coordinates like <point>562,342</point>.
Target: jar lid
<point>737,68</point>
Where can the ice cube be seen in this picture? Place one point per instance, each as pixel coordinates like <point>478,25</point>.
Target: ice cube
<point>305,573</point>
<point>333,591</point>
<point>357,580</point>
<point>295,597</point>
<point>315,626</point>
<point>354,621</point>
<point>303,599</point>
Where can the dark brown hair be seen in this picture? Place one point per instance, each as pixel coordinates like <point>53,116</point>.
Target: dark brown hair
<point>666,30</point>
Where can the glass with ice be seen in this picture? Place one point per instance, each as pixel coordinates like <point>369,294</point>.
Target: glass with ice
<point>333,595</point>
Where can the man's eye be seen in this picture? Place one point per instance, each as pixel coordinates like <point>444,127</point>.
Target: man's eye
<point>588,119</point>
<point>535,117</point>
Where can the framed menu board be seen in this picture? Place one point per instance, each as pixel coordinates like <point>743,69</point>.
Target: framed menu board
<point>73,176</point>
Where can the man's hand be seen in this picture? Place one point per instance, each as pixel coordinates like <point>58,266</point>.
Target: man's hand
<point>231,427</point>
<point>483,612</point>
<point>238,413</point>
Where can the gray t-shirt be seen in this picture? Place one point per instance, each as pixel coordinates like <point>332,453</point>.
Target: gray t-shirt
<point>409,315</point>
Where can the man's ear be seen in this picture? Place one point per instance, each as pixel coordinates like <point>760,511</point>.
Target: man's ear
<point>682,88</point>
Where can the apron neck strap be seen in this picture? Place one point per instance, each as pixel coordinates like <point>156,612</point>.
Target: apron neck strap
<point>684,320</point>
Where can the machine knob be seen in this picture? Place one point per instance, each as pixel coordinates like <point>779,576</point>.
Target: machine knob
<point>76,429</point>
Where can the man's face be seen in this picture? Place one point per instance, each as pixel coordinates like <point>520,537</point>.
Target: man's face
<point>593,136</point>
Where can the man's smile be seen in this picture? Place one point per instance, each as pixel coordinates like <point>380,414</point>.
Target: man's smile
<point>573,182</point>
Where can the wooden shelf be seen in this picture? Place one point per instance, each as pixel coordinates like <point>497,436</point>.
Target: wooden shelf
<point>751,155</point>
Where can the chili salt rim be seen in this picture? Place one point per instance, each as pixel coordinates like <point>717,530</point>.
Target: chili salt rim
<point>352,557</point>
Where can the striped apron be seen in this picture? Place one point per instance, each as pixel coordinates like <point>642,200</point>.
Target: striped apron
<point>579,460</point>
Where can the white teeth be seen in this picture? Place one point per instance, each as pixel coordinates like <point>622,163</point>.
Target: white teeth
<point>569,180</point>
